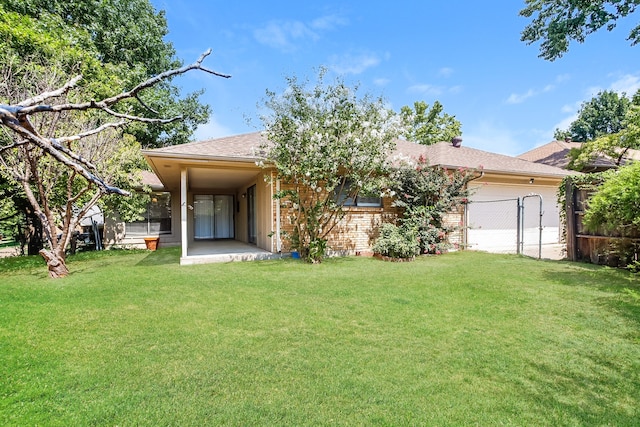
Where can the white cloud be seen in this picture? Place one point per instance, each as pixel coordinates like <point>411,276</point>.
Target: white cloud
<point>211,130</point>
<point>381,81</point>
<point>426,89</point>
<point>571,108</point>
<point>353,64</point>
<point>516,98</point>
<point>445,72</point>
<point>281,35</point>
<point>565,123</point>
<point>284,35</point>
<point>328,22</point>
<point>628,84</point>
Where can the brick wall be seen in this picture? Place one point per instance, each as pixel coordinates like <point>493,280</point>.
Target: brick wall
<point>354,233</point>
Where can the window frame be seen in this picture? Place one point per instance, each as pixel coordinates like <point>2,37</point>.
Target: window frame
<point>153,224</point>
<point>359,202</point>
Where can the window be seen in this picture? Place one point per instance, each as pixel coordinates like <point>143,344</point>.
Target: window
<point>157,218</point>
<point>364,200</point>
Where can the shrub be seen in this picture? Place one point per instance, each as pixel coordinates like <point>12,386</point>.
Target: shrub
<point>396,242</point>
<point>615,206</point>
<point>426,195</point>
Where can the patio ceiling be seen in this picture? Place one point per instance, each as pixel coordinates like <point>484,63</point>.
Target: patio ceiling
<point>220,178</point>
<point>203,174</point>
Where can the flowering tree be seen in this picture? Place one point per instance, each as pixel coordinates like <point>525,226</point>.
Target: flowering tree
<point>426,195</point>
<point>328,145</point>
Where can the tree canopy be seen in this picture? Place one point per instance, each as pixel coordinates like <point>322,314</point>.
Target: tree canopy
<point>557,22</point>
<point>602,115</point>
<point>429,125</point>
<point>114,44</point>
<point>615,206</point>
<point>607,125</point>
<point>85,84</point>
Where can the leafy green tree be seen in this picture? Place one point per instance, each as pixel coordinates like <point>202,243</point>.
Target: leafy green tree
<point>429,125</point>
<point>613,146</point>
<point>615,206</point>
<point>602,115</point>
<point>607,126</point>
<point>65,154</point>
<point>327,144</point>
<point>557,22</point>
<point>113,44</point>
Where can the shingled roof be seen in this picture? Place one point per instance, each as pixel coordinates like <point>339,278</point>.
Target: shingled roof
<point>446,155</point>
<point>245,148</point>
<point>237,147</point>
<point>556,153</point>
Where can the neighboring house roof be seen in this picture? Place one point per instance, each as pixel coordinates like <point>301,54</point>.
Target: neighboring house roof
<point>556,153</point>
<point>446,155</point>
<point>151,179</point>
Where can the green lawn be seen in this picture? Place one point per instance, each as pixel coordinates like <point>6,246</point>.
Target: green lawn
<point>461,339</point>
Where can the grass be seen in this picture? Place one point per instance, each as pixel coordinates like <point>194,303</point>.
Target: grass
<point>461,339</point>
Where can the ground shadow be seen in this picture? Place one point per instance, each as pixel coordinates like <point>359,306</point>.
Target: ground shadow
<point>162,256</point>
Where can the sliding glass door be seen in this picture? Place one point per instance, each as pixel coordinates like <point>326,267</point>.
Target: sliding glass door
<point>213,216</point>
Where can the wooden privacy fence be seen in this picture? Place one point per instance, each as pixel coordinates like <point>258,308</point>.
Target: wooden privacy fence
<point>600,247</point>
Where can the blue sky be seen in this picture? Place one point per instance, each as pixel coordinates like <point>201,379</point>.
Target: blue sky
<point>465,54</point>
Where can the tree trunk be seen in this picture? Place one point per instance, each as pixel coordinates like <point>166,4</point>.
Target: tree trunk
<point>57,266</point>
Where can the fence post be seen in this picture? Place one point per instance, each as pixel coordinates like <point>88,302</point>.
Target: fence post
<point>518,227</point>
<point>570,218</point>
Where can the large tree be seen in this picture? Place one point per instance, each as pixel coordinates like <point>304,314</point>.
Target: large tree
<point>607,126</point>
<point>557,22</point>
<point>328,145</point>
<point>602,115</point>
<point>429,125</point>
<point>66,153</point>
<point>113,44</point>
<point>614,146</point>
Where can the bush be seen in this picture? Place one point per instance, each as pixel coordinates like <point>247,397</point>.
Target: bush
<point>616,204</point>
<point>396,242</point>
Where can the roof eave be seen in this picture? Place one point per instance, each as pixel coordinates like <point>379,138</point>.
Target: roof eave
<point>199,157</point>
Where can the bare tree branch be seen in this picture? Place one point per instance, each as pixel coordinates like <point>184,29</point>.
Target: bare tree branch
<point>97,130</point>
<point>57,152</point>
<point>139,118</point>
<point>16,118</point>
<point>55,93</point>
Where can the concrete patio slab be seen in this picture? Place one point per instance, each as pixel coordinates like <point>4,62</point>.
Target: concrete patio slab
<point>212,251</point>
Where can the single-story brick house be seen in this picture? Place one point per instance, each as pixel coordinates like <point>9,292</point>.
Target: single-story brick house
<point>214,189</point>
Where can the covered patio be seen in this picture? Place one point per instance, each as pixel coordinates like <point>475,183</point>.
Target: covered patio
<point>223,208</point>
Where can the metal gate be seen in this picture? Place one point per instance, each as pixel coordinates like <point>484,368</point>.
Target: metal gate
<point>506,226</point>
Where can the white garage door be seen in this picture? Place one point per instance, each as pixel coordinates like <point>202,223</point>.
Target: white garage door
<point>493,212</point>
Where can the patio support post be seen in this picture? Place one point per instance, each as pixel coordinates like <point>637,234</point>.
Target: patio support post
<point>278,242</point>
<point>183,211</point>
